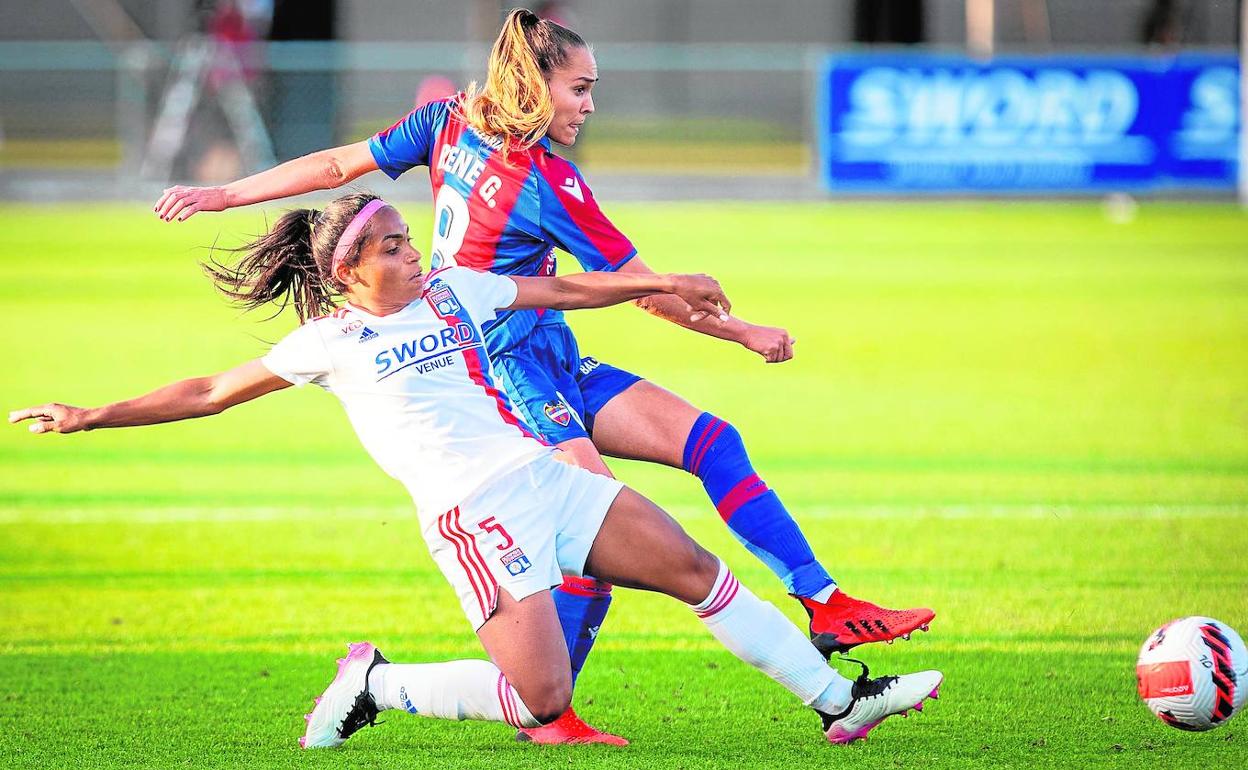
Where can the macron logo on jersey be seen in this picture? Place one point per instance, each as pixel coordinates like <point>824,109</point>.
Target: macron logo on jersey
<point>572,186</point>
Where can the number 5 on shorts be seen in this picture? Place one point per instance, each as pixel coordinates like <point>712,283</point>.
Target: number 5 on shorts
<point>491,525</point>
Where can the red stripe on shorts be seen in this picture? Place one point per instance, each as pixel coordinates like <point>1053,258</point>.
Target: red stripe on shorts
<point>469,570</point>
<point>474,555</point>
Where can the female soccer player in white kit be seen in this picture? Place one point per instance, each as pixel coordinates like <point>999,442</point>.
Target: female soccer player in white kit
<point>502,517</point>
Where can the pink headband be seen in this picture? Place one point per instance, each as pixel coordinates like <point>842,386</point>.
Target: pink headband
<point>353,231</point>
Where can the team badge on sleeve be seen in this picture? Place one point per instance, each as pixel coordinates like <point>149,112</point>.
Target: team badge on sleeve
<point>558,412</point>
<point>515,561</point>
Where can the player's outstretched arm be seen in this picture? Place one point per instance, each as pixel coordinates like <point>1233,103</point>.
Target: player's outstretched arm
<point>322,170</point>
<point>773,343</point>
<point>697,296</point>
<point>197,397</point>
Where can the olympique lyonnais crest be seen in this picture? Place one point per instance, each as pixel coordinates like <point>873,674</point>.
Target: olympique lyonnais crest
<point>515,561</point>
<point>558,412</point>
<point>444,300</point>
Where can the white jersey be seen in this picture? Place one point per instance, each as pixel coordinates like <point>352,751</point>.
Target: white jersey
<point>417,386</point>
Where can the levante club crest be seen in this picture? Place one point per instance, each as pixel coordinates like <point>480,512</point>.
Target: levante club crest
<point>558,412</point>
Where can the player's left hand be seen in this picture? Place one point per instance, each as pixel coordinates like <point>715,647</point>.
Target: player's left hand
<point>771,342</point>
<point>52,418</point>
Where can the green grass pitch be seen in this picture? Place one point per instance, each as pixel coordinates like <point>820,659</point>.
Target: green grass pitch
<point>1025,416</point>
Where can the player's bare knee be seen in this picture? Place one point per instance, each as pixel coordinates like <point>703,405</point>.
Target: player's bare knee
<point>546,704</point>
<point>707,566</point>
<point>698,570</point>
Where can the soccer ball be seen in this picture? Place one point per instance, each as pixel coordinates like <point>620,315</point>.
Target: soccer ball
<point>1193,673</point>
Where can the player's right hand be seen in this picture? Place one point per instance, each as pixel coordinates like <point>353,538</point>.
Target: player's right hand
<point>182,202</point>
<point>52,418</point>
<point>704,296</point>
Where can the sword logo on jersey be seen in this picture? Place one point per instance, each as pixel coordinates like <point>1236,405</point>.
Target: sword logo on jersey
<point>434,350</point>
<point>438,351</point>
<point>515,562</point>
<point>572,186</point>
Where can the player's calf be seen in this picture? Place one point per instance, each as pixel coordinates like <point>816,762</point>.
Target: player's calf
<point>715,452</point>
<point>367,684</point>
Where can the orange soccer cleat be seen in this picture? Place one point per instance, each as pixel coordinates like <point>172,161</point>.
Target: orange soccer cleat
<point>568,728</point>
<point>844,622</point>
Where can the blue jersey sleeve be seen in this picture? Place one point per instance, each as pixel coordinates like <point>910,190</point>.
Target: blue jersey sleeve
<point>572,220</point>
<point>408,142</point>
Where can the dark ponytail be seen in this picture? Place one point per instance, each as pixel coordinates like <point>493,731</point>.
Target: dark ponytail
<point>291,263</point>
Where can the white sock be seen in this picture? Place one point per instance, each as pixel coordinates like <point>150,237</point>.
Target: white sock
<point>825,594</point>
<point>457,689</point>
<point>759,634</point>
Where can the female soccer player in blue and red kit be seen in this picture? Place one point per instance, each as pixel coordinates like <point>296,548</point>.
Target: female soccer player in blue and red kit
<point>504,203</point>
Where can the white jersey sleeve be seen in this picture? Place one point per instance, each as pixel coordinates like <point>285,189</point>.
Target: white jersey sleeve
<point>300,357</point>
<point>483,294</point>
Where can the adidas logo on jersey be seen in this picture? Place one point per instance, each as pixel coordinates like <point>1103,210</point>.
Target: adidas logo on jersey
<point>572,186</point>
<point>367,334</point>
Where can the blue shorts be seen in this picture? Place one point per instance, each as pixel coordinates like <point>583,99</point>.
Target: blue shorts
<point>555,391</point>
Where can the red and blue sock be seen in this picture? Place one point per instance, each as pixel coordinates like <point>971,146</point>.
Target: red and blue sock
<point>582,604</point>
<point>715,454</point>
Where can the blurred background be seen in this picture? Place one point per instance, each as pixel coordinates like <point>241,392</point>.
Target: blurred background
<point>698,98</point>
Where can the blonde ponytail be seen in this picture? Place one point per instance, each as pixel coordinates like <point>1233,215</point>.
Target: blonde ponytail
<point>515,102</point>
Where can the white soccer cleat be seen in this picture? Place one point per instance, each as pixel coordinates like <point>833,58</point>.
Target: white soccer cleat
<point>346,705</point>
<point>874,700</point>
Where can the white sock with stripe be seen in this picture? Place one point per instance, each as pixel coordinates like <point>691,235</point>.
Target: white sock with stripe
<point>457,689</point>
<point>759,634</point>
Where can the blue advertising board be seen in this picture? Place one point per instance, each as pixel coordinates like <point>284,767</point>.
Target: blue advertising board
<point>892,123</point>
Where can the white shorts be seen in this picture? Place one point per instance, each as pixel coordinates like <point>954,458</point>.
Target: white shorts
<point>520,533</point>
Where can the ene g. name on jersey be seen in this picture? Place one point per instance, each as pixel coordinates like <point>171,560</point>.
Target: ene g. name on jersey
<point>499,212</point>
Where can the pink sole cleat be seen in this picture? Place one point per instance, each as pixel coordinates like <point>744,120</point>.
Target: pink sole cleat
<point>874,700</point>
<point>346,704</point>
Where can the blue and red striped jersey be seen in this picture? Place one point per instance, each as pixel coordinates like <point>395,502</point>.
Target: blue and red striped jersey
<point>501,212</point>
